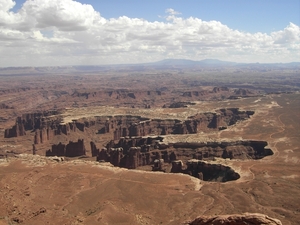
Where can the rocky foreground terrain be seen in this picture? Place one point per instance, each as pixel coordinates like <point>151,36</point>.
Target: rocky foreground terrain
<point>246,218</point>
<point>96,149</point>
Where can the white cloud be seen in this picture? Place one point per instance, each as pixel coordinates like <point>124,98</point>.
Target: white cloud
<point>290,34</point>
<point>172,12</point>
<point>6,5</point>
<point>6,16</point>
<point>62,32</point>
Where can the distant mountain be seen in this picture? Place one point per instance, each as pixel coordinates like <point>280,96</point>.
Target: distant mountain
<point>187,62</point>
<point>170,62</point>
<point>165,64</point>
<point>216,62</point>
<point>293,64</point>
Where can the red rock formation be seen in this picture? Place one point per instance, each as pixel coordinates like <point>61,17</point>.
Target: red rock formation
<point>16,131</point>
<point>177,166</point>
<point>158,165</point>
<point>134,126</point>
<point>210,172</point>
<point>232,150</point>
<point>132,159</point>
<point>94,149</point>
<point>33,149</point>
<point>220,89</point>
<point>195,93</point>
<point>79,126</point>
<point>132,154</point>
<point>31,121</point>
<point>243,92</point>
<point>127,153</point>
<point>57,150</point>
<point>135,152</point>
<point>236,219</point>
<point>46,125</point>
<point>43,135</point>
<point>72,149</point>
<point>103,155</point>
<point>113,155</point>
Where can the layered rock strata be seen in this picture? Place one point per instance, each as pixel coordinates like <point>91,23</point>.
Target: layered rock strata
<point>48,124</point>
<point>185,158</point>
<point>138,98</point>
<point>72,149</point>
<point>246,149</point>
<point>205,171</point>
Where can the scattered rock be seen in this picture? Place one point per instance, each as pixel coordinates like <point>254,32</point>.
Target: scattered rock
<point>236,219</point>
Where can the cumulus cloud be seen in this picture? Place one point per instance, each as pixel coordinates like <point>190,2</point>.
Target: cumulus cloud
<point>6,16</point>
<point>172,12</point>
<point>290,34</point>
<point>6,5</point>
<point>66,32</point>
<point>64,15</point>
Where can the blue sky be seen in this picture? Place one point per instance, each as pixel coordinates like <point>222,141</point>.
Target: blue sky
<point>69,32</point>
<point>246,15</point>
<point>249,15</point>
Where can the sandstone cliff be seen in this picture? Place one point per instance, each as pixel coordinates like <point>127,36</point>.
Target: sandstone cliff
<point>48,124</point>
<point>246,149</point>
<point>209,172</point>
<point>31,121</point>
<point>133,126</point>
<point>72,149</point>
<point>16,131</point>
<point>185,158</point>
<point>142,98</point>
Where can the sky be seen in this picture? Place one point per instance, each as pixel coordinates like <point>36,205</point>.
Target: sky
<point>97,32</point>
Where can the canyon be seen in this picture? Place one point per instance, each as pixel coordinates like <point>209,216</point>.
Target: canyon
<point>49,123</point>
<point>133,153</point>
<point>120,146</point>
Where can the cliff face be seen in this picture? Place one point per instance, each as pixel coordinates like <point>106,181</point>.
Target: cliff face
<point>131,153</point>
<point>48,124</point>
<point>197,94</point>
<point>16,131</point>
<point>205,171</point>
<point>30,121</point>
<point>45,125</point>
<point>184,157</point>
<point>246,149</point>
<point>43,135</point>
<point>133,126</point>
<point>73,149</point>
<point>132,158</point>
<point>94,149</point>
<point>209,172</point>
<point>139,98</point>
